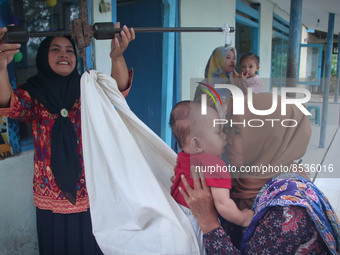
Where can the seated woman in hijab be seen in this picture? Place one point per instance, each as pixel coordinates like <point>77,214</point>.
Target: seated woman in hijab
<point>292,216</point>
<point>220,69</point>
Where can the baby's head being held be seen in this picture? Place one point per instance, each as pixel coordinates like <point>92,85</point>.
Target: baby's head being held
<point>194,132</point>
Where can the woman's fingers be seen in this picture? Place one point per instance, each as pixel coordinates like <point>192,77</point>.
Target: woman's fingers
<point>186,185</point>
<point>184,194</point>
<point>200,203</point>
<point>187,195</point>
<point>7,52</point>
<point>117,25</point>
<point>124,38</point>
<point>130,33</point>
<point>116,43</point>
<point>9,48</point>
<point>203,183</point>
<point>127,33</point>
<point>127,36</point>
<point>197,178</point>
<point>235,74</point>
<point>133,36</point>
<point>121,40</point>
<point>199,186</point>
<point>3,31</point>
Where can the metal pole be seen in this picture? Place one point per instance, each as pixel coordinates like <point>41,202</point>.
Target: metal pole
<point>337,82</point>
<point>100,31</point>
<point>328,68</point>
<point>294,43</point>
<point>137,30</point>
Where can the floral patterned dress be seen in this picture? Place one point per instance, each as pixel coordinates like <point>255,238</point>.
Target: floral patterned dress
<point>291,217</point>
<point>46,193</point>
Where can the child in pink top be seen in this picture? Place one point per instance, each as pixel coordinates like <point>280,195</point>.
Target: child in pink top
<point>249,65</point>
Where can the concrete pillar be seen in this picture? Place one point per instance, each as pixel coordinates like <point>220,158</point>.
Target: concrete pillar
<point>336,94</point>
<point>328,68</point>
<point>294,42</point>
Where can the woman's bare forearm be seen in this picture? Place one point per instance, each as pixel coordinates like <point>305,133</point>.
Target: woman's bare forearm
<point>5,89</point>
<point>120,73</point>
<point>119,44</point>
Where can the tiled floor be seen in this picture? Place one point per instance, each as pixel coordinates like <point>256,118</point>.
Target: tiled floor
<point>331,188</point>
<point>330,183</point>
<point>328,157</point>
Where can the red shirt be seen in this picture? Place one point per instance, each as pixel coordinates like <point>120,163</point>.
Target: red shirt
<point>46,193</point>
<point>214,170</point>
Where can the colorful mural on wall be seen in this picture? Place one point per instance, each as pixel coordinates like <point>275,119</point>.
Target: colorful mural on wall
<point>5,147</point>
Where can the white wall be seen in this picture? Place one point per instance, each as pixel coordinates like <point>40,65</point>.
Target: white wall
<point>100,48</point>
<point>17,213</point>
<point>265,42</point>
<point>266,28</point>
<point>303,54</point>
<point>196,48</point>
<point>283,14</point>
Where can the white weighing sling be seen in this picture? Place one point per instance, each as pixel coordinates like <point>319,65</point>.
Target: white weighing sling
<point>128,169</point>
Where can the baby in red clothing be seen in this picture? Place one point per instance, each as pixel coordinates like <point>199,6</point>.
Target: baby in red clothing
<point>202,146</point>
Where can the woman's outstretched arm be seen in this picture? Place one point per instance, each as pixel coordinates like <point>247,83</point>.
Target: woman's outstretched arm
<point>119,70</point>
<point>7,52</point>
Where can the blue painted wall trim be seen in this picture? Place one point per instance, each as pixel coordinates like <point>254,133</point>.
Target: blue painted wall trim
<point>247,9</point>
<point>176,91</point>
<point>280,27</point>
<point>89,48</point>
<point>278,24</point>
<point>114,11</point>
<point>253,23</point>
<point>168,52</point>
<point>245,21</point>
<point>281,36</point>
<point>255,41</point>
<point>282,20</point>
<point>328,68</point>
<point>278,51</point>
